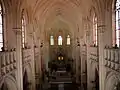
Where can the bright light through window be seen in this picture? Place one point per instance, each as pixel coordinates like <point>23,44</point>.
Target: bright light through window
<point>23,31</point>
<point>1,29</point>
<point>68,40</point>
<point>51,40</point>
<point>95,30</point>
<point>59,40</point>
<point>118,22</point>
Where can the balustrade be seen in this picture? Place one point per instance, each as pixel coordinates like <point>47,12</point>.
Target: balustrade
<point>7,62</point>
<point>111,57</point>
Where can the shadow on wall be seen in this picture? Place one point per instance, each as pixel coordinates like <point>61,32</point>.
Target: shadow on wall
<point>26,81</point>
<point>4,87</point>
<point>27,77</point>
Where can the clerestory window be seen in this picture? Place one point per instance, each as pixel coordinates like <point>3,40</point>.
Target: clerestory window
<point>60,40</point>
<point>95,36</point>
<point>23,31</point>
<point>68,40</point>
<point>51,40</point>
<point>1,28</point>
<point>117,28</point>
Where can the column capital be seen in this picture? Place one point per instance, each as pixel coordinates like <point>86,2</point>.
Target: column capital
<point>17,30</point>
<point>101,28</point>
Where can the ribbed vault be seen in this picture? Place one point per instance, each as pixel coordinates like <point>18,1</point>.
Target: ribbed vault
<point>51,12</point>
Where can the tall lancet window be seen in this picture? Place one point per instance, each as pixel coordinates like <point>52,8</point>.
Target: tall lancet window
<point>23,31</point>
<point>95,36</point>
<point>118,22</point>
<point>68,40</point>
<point>1,28</point>
<point>60,40</point>
<point>51,40</point>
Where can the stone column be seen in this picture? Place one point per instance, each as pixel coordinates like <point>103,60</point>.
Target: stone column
<point>101,29</point>
<point>38,66</point>
<point>78,62</point>
<point>19,58</point>
<point>40,57</point>
<point>77,65</point>
<point>88,42</point>
<point>33,60</point>
<point>104,38</point>
<point>73,55</point>
<point>46,56</point>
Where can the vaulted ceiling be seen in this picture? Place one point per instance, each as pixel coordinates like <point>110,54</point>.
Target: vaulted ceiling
<point>66,14</point>
<point>59,14</point>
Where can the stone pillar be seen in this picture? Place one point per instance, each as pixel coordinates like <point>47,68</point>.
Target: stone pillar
<point>101,29</point>
<point>19,58</point>
<point>38,67</point>
<point>73,55</point>
<point>40,58</point>
<point>46,56</point>
<point>78,62</point>
<point>104,38</point>
<point>33,60</point>
<point>88,42</point>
